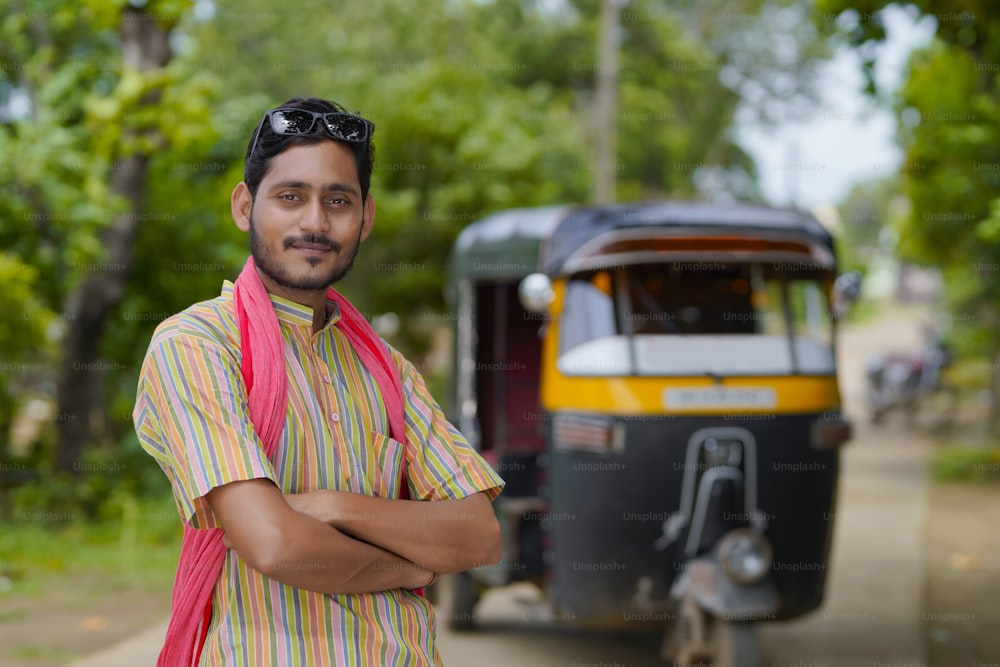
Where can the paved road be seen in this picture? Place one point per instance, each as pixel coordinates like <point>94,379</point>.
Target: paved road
<point>873,611</point>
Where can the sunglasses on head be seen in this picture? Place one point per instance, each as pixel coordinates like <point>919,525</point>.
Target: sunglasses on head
<point>341,126</point>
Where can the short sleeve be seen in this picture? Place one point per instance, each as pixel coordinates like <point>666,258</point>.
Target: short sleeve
<point>191,416</point>
<point>440,462</point>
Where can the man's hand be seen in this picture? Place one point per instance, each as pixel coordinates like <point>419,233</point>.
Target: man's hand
<point>320,505</point>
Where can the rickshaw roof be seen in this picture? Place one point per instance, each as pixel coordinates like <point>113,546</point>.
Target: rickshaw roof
<point>504,245</point>
<point>508,245</point>
<point>584,224</point>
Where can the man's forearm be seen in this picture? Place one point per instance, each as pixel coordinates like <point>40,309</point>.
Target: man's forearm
<point>333,562</point>
<point>443,536</point>
<point>297,549</point>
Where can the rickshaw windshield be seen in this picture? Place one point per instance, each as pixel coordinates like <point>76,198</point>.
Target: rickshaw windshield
<point>696,318</point>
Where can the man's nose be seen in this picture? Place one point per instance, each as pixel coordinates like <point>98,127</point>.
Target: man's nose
<point>314,218</point>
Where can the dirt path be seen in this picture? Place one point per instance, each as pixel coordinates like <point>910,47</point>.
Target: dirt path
<point>961,615</point>
<point>875,591</point>
<point>80,613</point>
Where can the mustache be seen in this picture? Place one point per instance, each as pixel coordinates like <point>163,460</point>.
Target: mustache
<point>314,239</point>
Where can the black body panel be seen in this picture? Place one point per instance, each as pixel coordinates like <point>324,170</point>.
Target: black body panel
<point>607,511</point>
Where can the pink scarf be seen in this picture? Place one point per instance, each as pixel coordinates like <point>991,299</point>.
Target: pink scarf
<point>202,552</point>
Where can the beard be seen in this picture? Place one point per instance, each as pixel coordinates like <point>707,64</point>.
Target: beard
<point>265,257</point>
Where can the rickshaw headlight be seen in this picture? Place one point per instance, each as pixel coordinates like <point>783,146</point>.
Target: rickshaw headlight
<point>745,555</point>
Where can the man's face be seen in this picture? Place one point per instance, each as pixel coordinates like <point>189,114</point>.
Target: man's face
<point>307,220</point>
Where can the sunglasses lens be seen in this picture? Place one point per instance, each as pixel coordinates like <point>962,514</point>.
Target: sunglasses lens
<point>290,121</point>
<point>346,127</point>
<point>299,121</point>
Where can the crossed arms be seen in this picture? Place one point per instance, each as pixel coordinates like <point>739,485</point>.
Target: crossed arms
<point>341,542</point>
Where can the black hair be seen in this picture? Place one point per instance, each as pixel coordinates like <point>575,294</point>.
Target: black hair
<point>270,144</point>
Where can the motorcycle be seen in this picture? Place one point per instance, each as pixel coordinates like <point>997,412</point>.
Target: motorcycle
<point>908,382</point>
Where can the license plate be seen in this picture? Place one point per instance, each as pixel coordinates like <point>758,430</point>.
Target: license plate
<point>719,397</point>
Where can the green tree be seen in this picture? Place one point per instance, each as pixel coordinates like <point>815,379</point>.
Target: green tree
<point>481,106</point>
<point>125,125</point>
<point>25,328</point>
<point>948,113</point>
<point>867,209</point>
<point>85,115</point>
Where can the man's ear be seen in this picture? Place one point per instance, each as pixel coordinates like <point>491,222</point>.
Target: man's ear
<point>242,206</point>
<point>369,222</point>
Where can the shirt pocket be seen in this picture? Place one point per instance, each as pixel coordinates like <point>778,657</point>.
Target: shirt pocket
<point>389,459</point>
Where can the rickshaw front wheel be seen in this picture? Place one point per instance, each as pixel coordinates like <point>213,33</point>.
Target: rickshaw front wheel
<point>699,639</point>
<point>735,644</point>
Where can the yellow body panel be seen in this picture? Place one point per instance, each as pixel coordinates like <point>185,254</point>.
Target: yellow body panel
<point>645,395</point>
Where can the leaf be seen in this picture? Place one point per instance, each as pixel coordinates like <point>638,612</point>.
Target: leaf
<point>989,229</point>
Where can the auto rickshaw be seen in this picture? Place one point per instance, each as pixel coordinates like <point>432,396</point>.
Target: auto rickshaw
<point>657,383</point>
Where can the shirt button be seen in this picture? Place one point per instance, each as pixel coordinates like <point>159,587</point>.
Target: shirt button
<point>334,416</point>
<point>325,379</point>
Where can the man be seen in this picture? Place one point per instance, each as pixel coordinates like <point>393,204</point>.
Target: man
<point>290,431</point>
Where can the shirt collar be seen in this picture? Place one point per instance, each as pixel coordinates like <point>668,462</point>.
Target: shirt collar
<point>290,312</point>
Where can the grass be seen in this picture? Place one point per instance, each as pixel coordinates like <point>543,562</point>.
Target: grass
<point>32,652</point>
<point>66,582</point>
<point>139,549</point>
<point>974,455</point>
<point>862,311</point>
<point>15,615</point>
<point>966,463</point>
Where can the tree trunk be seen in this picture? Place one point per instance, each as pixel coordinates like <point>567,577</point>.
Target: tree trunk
<point>101,288</point>
<point>606,151</point>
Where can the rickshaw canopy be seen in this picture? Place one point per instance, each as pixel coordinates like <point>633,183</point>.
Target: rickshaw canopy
<point>512,244</point>
<point>504,245</point>
<point>589,229</point>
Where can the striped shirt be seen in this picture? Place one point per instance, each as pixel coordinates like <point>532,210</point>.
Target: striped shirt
<point>191,416</point>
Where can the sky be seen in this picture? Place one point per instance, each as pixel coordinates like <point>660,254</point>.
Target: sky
<point>813,162</point>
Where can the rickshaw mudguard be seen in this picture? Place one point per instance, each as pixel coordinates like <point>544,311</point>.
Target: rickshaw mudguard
<point>704,581</point>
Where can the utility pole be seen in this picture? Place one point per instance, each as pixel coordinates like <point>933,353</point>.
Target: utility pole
<point>792,168</point>
<point>606,121</point>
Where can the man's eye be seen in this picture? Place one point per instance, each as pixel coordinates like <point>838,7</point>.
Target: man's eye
<point>288,196</point>
<point>338,201</point>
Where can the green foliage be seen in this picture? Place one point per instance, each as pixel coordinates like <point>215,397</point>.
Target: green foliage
<point>106,485</point>
<point>479,106</point>
<point>949,126</point>
<point>969,374</point>
<point>26,328</point>
<point>59,498</point>
<point>24,320</point>
<point>967,464</point>
<point>867,210</point>
<point>135,548</point>
<point>56,200</point>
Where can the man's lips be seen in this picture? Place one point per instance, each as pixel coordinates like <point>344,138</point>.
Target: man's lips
<point>312,248</point>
